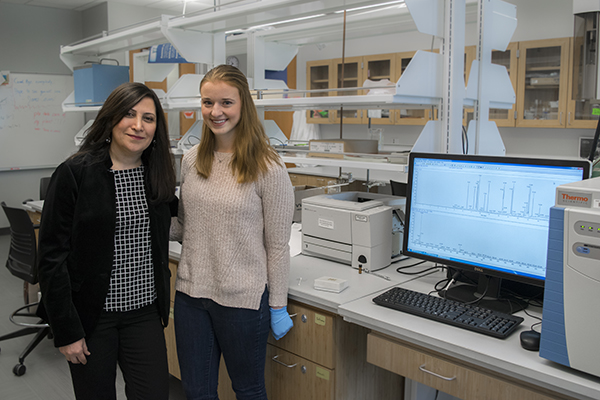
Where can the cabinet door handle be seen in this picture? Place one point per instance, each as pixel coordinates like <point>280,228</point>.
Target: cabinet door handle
<point>275,358</point>
<point>422,368</point>
<point>560,120</point>
<point>304,317</point>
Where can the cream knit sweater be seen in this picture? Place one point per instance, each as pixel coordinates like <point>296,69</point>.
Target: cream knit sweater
<point>235,236</point>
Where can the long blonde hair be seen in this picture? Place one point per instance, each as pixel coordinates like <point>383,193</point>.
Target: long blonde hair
<point>252,152</point>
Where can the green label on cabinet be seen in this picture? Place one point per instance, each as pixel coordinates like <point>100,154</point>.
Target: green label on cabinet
<point>595,111</point>
<point>322,373</point>
<point>320,319</point>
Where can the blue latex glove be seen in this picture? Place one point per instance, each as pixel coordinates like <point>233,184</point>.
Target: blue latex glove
<point>281,322</point>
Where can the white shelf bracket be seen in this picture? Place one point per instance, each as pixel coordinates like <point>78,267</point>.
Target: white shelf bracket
<point>497,21</point>
<point>445,19</point>
<point>422,77</point>
<point>72,60</point>
<point>196,47</point>
<point>428,16</point>
<point>185,93</point>
<point>267,55</point>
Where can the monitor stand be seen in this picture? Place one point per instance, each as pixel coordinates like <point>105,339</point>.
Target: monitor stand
<point>493,299</point>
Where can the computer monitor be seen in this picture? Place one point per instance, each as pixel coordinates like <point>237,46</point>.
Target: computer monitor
<point>484,214</point>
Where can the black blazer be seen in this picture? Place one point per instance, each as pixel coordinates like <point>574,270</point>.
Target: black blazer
<point>76,248</point>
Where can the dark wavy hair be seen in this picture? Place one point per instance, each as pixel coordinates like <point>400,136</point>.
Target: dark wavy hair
<point>157,158</point>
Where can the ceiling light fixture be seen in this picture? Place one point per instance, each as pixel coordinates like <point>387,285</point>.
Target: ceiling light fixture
<point>252,28</point>
<point>372,6</point>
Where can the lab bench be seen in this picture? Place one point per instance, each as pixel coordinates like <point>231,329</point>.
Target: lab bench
<point>343,346</point>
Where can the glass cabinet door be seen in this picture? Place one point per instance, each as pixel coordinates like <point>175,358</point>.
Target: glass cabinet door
<point>507,58</point>
<point>319,75</point>
<point>348,75</point>
<point>583,107</point>
<point>379,70</point>
<point>542,83</point>
<point>407,116</point>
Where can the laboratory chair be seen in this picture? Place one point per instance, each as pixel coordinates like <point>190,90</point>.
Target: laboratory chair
<point>398,188</point>
<point>22,263</point>
<point>44,182</point>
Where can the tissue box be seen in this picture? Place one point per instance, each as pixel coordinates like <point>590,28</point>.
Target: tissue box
<point>330,284</point>
<point>302,192</point>
<point>94,82</point>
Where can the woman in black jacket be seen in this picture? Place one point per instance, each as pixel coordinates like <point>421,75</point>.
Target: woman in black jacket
<point>104,248</point>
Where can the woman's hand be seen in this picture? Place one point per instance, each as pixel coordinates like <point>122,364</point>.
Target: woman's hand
<point>281,322</point>
<point>76,352</point>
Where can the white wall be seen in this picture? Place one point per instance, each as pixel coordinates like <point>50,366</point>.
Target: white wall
<point>537,19</point>
<point>31,40</point>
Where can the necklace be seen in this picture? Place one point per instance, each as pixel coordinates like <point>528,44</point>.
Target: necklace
<point>224,156</point>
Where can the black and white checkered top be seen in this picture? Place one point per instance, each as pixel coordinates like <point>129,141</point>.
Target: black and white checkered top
<point>132,278</point>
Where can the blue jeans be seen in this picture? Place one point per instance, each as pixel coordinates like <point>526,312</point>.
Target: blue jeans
<point>204,330</point>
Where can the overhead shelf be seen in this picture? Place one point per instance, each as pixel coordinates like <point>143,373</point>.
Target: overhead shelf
<point>337,162</point>
<point>271,26</point>
<point>348,102</point>
<point>236,19</point>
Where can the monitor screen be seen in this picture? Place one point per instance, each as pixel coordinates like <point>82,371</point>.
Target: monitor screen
<point>487,214</point>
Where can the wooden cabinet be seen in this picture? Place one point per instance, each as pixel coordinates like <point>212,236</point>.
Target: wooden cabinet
<point>324,357</point>
<point>406,116</point>
<point>442,373</point>
<point>542,83</point>
<point>293,377</point>
<point>545,75</point>
<point>380,69</point>
<point>319,76</point>
<point>580,112</point>
<point>348,74</point>
<point>508,59</point>
<point>311,180</point>
<point>320,181</point>
<point>332,74</point>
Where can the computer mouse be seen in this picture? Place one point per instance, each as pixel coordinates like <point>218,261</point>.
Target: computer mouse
<point>530,340</point>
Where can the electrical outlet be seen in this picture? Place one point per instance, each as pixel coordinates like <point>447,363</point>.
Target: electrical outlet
<point>396,140</point>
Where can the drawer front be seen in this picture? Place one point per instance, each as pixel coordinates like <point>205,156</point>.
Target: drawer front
<point>456,380</point>
<point>311,336</point>
<point>290,377</point>
<point>298,180</point>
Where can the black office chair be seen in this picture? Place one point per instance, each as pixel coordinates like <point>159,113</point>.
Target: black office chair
<point>22,263</point>
<point>44,182</point>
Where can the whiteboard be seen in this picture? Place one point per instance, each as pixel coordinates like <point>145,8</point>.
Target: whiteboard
<point>34,131</point>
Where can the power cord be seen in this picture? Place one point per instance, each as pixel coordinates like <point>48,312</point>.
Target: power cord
<point>400,269</point>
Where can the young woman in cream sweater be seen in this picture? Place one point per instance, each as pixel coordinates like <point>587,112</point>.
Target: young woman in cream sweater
<point>234,221</point>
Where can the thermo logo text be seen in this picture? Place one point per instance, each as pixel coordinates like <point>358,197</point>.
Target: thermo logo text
<point>581,199</point>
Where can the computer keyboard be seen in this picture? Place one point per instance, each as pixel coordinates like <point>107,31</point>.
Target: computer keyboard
<point>467,316</point>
